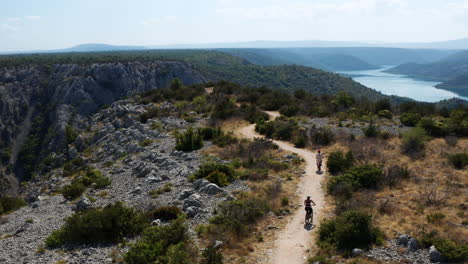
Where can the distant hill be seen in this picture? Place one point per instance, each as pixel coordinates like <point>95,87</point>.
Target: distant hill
<point>450,44</point>
<point>215,66</point>
<point>325,61</point>
<point>99,47</point>
<point>451,71</point>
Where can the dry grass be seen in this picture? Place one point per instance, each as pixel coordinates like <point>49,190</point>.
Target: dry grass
<point>433,187</point>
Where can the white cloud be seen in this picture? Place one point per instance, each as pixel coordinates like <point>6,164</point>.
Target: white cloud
<point>14,19</point>
<point>8,28</point>
<point>156,20</point>
<point>33,17</point>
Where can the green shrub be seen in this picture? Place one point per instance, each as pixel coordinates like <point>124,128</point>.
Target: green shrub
<point>284,201</point>
<point>238,216</point>
<point>79,183</point>
<point>364,176</point>
<point>225,139</point>
<point>337,162</point>
<point>9,204</point>
<point>71,134</point>
<point>211,255</point>
<point>385,114</point>
<point>410,119</point>
<point>165,213</point>
<point>300,141</point>
<point>151,113</point>
<point>350,230</point>
<point>433,127</point>
<point>413,141</point>
<point>215,172</point>
<point>160,244</point>
<point>459,160</point>
<point>371,130</point>
<point>253,114</point>
<point>452,251</point>
<point>73,190</point>
<point>321,136</point>
<point>224,108</point>
<point>189,140</point>
<point>146,142</point>
<point>289,110</point>
<point>280,128</point>
<point>109,224</point>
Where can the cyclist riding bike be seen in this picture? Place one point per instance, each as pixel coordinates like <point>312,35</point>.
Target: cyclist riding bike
<point>319,158</point>
<point>308,208</point>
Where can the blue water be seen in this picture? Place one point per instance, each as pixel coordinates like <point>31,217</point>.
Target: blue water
<point>393,84</point>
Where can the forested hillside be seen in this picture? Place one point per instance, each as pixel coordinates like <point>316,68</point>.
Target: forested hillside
<point>215,66</point>
<point>325,61</point>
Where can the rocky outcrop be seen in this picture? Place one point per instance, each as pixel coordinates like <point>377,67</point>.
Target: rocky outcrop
<point>69,94</point>
<point>137,172</point>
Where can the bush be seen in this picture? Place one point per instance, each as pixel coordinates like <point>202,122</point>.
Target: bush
<point>110,224</point>
<point>280,128</point>
<point>218,173</point>
<point>238,216</point>
<point>352,229</point>
<point>289,110</point>
<point>321,136</point>
<point>300,141</point>
<point>337,162</point>
<point>151,113</point>
<point>145,142</point>
<point>365,176</point>
<point>165,213</point>
<point>79,184</point>
<point>413,141</point>
<point>73,190</point>
<point>71,134</point>
<point>371,130</point>
<point>459,160</point>
<point>161,244</point>
<point>9,204</point>
<point>385,114</point>
<point>211,255</point>
<point>452,251</point>
<point>410,119</point>
<point>189,140</point>
<point>432,127</point>
<point>253,114</point>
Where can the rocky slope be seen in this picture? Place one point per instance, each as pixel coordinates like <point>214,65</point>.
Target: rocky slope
<point>67,94</point>
<point>111,145</point>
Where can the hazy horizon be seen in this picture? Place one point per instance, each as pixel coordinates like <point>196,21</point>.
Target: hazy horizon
<point>44,25</point>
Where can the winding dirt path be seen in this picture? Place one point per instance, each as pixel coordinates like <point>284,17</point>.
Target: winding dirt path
<point>293,241</point>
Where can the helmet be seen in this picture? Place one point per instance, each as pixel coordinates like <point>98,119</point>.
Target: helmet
<point>318,150</point>
<point>308,197</point>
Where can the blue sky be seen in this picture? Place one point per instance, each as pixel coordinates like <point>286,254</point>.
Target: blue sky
<point>51,24</point>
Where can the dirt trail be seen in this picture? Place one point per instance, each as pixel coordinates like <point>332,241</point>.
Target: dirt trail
<point>293,241</point>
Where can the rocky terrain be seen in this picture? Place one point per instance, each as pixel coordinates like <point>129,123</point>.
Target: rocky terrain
<point>112,144</point>
<point>48,98</point>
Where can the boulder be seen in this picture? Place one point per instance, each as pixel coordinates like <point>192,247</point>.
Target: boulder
<point>192,211</point>
<point>211,189</point>
<point>137,190</point>
<point>413,244</point>
<point>218,244</point>
<point>200,183</point>
<point>193,201</point>
<point>185,194</point>
<point>83,204</point>
<point>357,252</point>
<point>434,254</point>
<point>156,222</point>
<point>153,179</point>
<point>402,240</point>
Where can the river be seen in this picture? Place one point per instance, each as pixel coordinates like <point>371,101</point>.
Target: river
<point>401,85</point>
